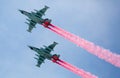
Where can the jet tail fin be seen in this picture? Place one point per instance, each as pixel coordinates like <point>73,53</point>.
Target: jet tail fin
<point>55,43</point>
<point>46,7</point>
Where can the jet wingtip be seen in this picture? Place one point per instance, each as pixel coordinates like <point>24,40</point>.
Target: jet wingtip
<point>38,65</point>
<point>29,31</point>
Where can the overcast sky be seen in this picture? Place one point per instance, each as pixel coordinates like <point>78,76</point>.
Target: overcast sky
<point>97,21</point>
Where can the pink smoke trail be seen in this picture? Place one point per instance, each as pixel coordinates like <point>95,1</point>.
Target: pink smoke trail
<point>74,69</point>
<point>100,52</point>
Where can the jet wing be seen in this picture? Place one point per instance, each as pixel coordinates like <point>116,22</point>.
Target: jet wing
<point>41,12</point>
<point>47,49</point>
<point>40,60</point>
<point>50,48</point>
<point>31,25</point>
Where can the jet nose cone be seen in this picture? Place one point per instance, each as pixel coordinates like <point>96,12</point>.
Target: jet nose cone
<point>21,11</point>
<point>30,47</point>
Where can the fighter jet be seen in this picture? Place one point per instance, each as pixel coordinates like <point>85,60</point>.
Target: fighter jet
<point>45,53</point>
<point>36,17</point>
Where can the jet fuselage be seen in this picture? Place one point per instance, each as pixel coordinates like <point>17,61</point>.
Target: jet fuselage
<point>33,16</point>
<point>42,52</point>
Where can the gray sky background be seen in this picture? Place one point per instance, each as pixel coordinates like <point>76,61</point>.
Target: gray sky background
<point>93,20</point>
